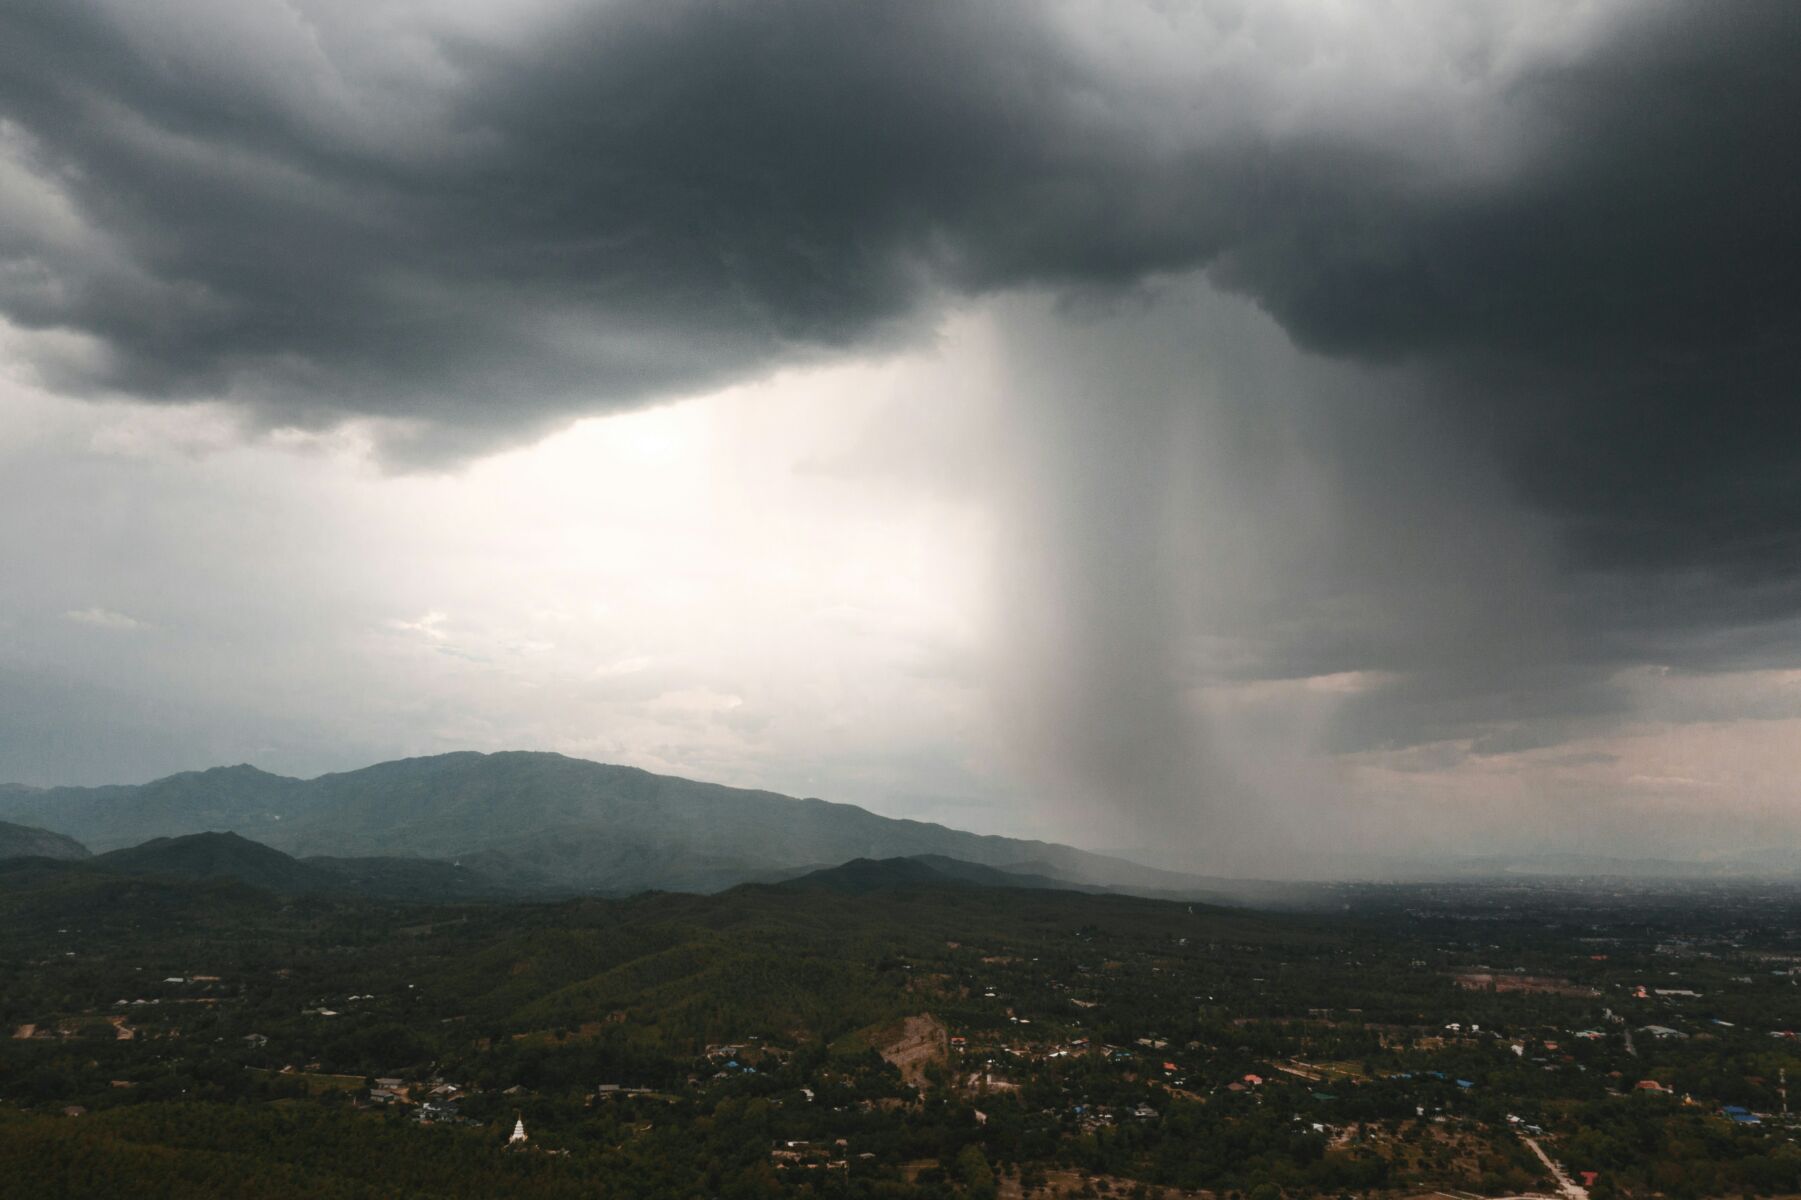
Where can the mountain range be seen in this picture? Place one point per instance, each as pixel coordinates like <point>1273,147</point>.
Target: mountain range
<point>529,822</point>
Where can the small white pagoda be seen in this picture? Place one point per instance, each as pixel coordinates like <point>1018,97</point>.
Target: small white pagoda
<point>518,1138</point>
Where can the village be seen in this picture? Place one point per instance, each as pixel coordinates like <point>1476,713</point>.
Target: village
<point>1194,1049</point>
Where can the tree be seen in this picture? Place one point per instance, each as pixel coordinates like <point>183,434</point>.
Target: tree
<point>975,1173</point>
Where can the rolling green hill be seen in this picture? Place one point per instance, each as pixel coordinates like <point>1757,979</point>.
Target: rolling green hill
<point>230,857</point>
<point>217,856</point>
<point>861,876</point>
<point>25,841</point>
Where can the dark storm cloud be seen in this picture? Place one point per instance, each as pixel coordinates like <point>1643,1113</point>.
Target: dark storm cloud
<point>1622,312</point>
<point>1584,268</point>
<point>621,202</point>
<point>626,202</point>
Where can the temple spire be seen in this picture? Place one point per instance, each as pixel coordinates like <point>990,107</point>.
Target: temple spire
<point>518,1138</point>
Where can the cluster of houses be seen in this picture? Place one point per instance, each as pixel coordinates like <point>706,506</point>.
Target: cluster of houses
<point>433,1101</point>
<point>800,1155</point>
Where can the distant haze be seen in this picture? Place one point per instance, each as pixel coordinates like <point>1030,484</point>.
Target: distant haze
<point>1253,436</point>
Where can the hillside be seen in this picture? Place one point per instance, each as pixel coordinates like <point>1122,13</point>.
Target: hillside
<point>546,821</point>
<point>862,876</point>
<point>218,856</point>
<point>654,1046</point>
<point>413,879</point>
<point>756,959</point>
<point>25,841</point>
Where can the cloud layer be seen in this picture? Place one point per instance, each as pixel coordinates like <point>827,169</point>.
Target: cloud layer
<point>1443,352</point>
<point>482,221</point>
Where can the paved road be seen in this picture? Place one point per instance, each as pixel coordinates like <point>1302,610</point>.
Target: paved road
<point>1565,1184</point>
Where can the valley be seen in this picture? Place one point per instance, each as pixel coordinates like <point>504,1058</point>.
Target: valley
<point>884,1028</point>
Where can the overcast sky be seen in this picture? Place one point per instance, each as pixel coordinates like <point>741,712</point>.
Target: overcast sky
<point>1269,433</point>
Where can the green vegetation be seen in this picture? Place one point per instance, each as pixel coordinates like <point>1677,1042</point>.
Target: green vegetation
<point>882,1030</point>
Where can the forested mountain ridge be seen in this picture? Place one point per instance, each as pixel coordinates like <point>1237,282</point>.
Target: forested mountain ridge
<point>241,799</point>
<point>543,820</point>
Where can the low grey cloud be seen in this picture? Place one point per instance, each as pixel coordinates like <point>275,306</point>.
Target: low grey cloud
<point>103,618</point>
